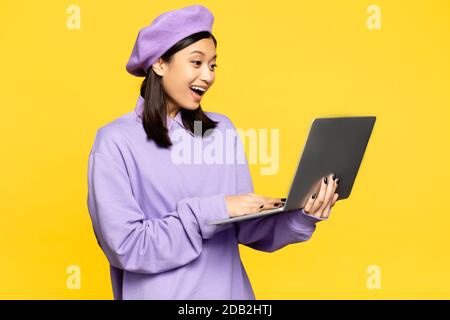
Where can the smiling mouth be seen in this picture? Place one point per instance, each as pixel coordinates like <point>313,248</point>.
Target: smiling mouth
<point>198,92</point>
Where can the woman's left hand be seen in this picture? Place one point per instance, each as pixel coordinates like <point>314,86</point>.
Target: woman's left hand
<point>319,205</point>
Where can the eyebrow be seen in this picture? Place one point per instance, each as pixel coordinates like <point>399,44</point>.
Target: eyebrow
<point>198,51</point>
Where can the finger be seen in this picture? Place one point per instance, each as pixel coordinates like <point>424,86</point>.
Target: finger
<point>268,202</point>
<point>272,205</point>
<point>244,211</point>
<point>252,205</point>
<point>333,192</point>
<point>320,197</point>
<point>253,200</point>
<point>309,203</point>
<point>258,206</point>
<point>252,208</point>
<point>336,196</point>
<point>272,200</point>
<point>331,187</point>
<point>326,211</point>
<point>327,195</point>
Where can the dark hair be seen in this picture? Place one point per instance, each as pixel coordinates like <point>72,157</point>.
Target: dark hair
<point>155,112</point>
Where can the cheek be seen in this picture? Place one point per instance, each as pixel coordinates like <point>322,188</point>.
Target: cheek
<point>178,89</point>
<point>175,86</point>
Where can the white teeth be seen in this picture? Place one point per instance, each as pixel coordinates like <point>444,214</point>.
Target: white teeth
<point>198,88</point>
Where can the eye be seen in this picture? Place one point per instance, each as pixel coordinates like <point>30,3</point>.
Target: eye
<point>198,63</point>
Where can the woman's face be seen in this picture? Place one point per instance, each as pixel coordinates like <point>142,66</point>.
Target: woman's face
<point>192,66</point>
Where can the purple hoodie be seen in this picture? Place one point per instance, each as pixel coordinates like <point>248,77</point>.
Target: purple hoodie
<point>150,216</point>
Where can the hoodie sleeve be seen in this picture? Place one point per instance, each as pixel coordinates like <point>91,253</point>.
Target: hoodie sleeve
<point>274,231</point>
<point>129,240</point>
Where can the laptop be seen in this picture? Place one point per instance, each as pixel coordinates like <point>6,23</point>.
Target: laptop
<point>334,145</point>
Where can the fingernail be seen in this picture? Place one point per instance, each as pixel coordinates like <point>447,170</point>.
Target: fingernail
<point>325,180</point>
<point>283,199</point>
<point>277,204</point>
<point>334,176</point>
<point>337,181</point>
<point>261,206</point>
<point>314,196</point>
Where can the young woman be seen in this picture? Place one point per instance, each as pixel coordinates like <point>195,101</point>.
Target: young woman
<point>150,213</point>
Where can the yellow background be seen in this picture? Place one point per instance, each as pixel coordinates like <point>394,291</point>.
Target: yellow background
<point>280,64</point>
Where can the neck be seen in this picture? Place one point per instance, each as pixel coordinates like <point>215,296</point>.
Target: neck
<point>172,110</point>
<point>173,113</point>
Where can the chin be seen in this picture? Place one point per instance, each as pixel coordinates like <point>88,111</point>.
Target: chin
<point>192,107</point>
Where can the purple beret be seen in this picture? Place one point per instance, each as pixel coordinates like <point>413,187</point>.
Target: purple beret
<point>165,30</point>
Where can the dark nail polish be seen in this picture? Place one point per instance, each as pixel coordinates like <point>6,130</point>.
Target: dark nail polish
<point>261,206</point>
<point>325,180</point>
<point>337,181</point>
<point>334,177</point>
<point>276,204</point>
<point>314,196</point>
<point>283,199</point>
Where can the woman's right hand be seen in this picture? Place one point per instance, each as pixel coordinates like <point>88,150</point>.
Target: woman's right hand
<point>248,203</point>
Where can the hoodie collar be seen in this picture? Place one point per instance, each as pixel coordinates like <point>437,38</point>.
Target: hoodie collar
<point>140,109</point>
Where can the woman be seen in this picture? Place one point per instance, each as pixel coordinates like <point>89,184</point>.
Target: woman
<point>150,215</point>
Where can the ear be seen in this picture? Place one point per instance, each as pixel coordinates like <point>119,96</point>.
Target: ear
<point>159,67</point>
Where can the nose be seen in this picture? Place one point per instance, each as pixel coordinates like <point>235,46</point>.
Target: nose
<point>207,75</point>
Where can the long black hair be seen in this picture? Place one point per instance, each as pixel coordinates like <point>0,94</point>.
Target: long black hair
<point>155,112</point>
